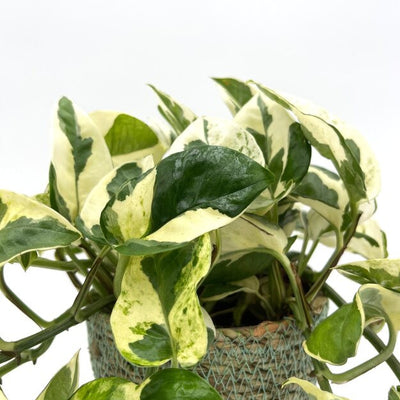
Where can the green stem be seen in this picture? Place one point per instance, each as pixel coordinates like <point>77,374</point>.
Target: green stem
<point>90,279</point>
<point>304,262</point>
<point>66,266</point>
<point>14,299</point>
<point>334,259</point>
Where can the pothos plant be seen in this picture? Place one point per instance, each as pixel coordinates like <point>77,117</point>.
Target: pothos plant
<point>207,222</point>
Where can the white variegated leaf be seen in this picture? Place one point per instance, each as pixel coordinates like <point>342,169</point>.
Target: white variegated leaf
<point>384,299</point>
<point>64,383</point>
<point>252,233</point>
<point>324,192</point>
<point>2,396</point>
<point>342,144</point>
<point>158,313</point>
<point>101,194</point>
<point>394,393</point>
<point>128,138</point>
<point>218,132</point>
<point>287,153</point>
<point>176,114</point>
<point>108,389</point>
<point>27,225</point>
<point>235,93</point>
<point>319,228</point>
<point>313,392</point>
<point>80,159</point>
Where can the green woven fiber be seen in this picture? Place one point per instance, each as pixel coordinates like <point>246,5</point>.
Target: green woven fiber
<point>242,364</point>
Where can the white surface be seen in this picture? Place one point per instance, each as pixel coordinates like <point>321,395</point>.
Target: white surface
<point>341,54</point>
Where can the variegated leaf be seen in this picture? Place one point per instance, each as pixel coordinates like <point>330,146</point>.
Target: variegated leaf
<point>343,145</point>
<point>336,338</point>
<point>394,393</point>
<point>186,195</point>
<point>369,241</point>
<point>218,291</point>
<point>157,316</point>
<point>314,393</point>
<point>176,114</point>
<point>320,229</point>
<point>381,271</point>
<point>286,151</point>
<point>80,159</point>
<point>108,389</point>
<point>2,396</point>
<point>177,384</point>
<point>217,132</point>
<point>27,225</point>
<point>64,383</point>
<point>128,138</point>
<point>100,195</point>
<point>323,191</point>
<point>235,93</point>
<point>250,232</point>
<point>202,189</point>
<point>382,299</point>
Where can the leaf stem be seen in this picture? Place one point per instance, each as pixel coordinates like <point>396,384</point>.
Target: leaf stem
<point>14,299</point>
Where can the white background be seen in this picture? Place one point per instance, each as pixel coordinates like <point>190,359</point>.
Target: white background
<point>341,54</point>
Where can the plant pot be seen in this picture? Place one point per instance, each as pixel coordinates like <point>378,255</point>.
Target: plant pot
<point>243,363</point>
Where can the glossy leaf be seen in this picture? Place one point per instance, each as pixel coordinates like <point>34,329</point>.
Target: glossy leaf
<point>217,132</point>
<point>336,338</point>
<point>286,151</point>
<point>108,186</point>
<point>202,189</point>
<point>128,138</point>
<point>64,383</point>
<point>343,145</point>
<point>108,389</point>
<point>314,393</point>
<point>27,225</point>
<point>384,272</point>
<point>236,93</point>
<point>176,114</point>
<point>177,384</point>
<point>80,159</point>
<point>324,192</point>
<point>158,314</point>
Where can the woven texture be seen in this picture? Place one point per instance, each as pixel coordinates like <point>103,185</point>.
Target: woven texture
<point>242,364</point>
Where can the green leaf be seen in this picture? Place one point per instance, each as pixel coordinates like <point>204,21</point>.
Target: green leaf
<point>202,189</point>
<point>128,138</point>
<point>108,389</point>
<point>286,151</point>
<point>177,115</point>
<point>394,393</point>
<point>157,316</point>
<point>177,384</point>
<point>336,338</point>
<point>384,272</point>
<point>323,191</point>
<point>340,143</point>
<point>80,158</point>
<point>64,383</point>
<point>217,132</point>
<point>236,93</point>
<point>314,393</point>
<point>89,219</point>
<point>27,225</point>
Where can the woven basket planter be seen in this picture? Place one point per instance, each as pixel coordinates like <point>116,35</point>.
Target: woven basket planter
<point>243,363</point>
